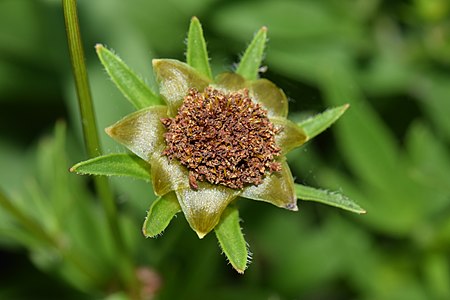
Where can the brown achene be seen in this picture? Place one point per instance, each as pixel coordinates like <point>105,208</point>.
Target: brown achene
<point>222,138</point>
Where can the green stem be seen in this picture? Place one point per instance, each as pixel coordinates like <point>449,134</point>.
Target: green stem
<point>91,138</point>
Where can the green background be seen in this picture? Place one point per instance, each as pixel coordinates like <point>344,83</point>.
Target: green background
<point>390,151</point>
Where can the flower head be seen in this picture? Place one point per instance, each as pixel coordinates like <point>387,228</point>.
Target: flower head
<point>205,142</point>
<point>214,141</point>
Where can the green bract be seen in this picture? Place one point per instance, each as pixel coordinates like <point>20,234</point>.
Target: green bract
<point>143,132</point>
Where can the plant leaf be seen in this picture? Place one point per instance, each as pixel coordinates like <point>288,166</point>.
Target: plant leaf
<point>231,239</point>
<point>128,82</point>
<point>320,122</point>
<point>368,147</point>
<point>160,214</point>
<point>8,206</point>
<point>118,164</point>
<point>326,197</point>
<point>429,156</point>
<point>196,53</point>
<point>252,58</point>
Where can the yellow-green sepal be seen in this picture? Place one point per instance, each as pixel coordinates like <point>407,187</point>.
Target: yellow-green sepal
<point>271,97</point>
<point>175,78</point>
<point>229,82</point>
<point>276,188</point>
<point>142,132</point>
<point>261,91</point>
<point>204,206</point>
<point>168,175</point>
<point>289,135</point>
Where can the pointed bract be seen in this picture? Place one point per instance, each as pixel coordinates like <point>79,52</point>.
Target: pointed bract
<point>231,239</point>
<point>251,60</point>
<point>160,214</point>
<point>117,164</point>
<point>320,122</point>
<point>327,197</point>
<point>127,81</point>
<point>196,53</point>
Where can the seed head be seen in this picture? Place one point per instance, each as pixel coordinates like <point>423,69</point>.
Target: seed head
<point>223,138</point>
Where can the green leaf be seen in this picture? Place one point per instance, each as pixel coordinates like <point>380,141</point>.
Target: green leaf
<point>326,197</point>
<point>436,104</point>
<point>196,54</point>
<point>9,207</point>
<point>367,145</point>
<point>119,164</point>
<point>429,156</point>
<point>160,214</point>
<point>437,275</point>
<point>252,58</point>
<point>231,239</point>
<point>320,122</point>
<point>128,82</point>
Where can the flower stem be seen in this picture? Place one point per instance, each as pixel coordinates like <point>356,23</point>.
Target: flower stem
<point>91,138</point>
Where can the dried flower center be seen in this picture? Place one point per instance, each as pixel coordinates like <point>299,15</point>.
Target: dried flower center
<point>223,138</point>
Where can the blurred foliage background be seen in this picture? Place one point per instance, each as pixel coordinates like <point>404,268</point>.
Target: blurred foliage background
<point>390,152</point>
